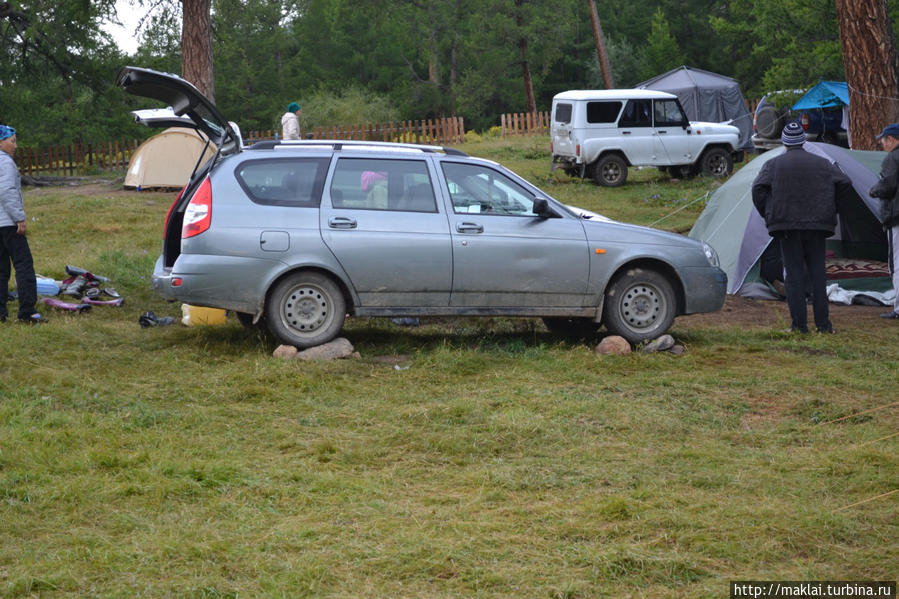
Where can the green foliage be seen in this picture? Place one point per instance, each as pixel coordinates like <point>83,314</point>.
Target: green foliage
<point>662,52</point>
<point>351,106</point>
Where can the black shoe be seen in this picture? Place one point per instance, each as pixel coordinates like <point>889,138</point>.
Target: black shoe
<point>796,330</point>
<point>891,315</point>
<point>827,329</point>
<point>35,318</point>
<point>2,318</point>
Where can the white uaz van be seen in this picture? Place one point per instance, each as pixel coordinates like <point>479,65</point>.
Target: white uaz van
<point>602,132</point>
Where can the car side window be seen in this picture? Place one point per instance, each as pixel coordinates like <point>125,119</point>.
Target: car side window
<point>481,190</point>
<point>668,113</point>
<point>636,113</point>
<point>379,184</point>
<point>281,182</point>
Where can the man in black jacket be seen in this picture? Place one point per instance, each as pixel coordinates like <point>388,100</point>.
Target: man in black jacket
<point>797,194</point>
<point>888,190</point>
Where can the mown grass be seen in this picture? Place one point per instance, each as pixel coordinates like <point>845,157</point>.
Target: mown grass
<point>467,458</point>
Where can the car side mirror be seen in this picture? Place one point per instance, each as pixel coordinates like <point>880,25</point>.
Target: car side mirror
<point>543,209</point>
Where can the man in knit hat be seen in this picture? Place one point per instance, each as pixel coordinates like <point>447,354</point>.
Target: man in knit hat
<point>887,189</point>
<point>290,122</point>
<point>797,194</point>
<point>13,243</point>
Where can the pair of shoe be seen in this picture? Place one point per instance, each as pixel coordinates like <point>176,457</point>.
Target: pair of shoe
<point>890,315</point>
<point>35,318</point>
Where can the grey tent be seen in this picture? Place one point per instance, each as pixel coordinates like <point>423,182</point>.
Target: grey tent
<point>708,97</point>
<point>857,251</point>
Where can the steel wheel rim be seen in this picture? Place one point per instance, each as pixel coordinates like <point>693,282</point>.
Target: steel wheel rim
<point>611,172</point>
<point>718,165</point>
<point>306,309</point>
<point>642,306</point>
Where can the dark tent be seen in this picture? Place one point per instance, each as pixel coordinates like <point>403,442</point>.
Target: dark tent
<point>708,97</point>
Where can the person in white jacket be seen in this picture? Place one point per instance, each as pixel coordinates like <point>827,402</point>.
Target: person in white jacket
<point>13,243</point>
<point>290,122</point>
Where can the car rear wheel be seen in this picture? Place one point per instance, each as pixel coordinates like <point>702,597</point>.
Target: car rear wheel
<point>610,171</point>
<point>639,305</point>
<point>305,309</point>
<point>717,162</point>
<point>769,122</point>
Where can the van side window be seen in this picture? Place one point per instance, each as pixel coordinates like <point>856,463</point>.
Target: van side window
<point>636,114</point>
<point>668,113</point>
<point>563,114</point>
<point>603,112</point>
<point>376,184</point>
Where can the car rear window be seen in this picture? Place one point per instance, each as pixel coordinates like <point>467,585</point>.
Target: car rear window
<point>603,112</point>
<point>284,182</point>
<point>563,113</point>
<point>379,184</point>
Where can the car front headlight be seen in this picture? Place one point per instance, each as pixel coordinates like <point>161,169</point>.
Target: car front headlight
<point>710,254</point>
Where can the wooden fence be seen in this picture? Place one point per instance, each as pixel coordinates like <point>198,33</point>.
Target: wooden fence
<point>438,132</point>
<point>80,158</point>
<point>76,158</point>
<point>525,123</point>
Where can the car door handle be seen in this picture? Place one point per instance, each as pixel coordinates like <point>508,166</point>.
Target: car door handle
<point>662,132</point>
<point>625,133</point>
<point>469,228</point>
<point>341,222</point>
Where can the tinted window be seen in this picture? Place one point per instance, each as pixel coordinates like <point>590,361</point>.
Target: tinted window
<point>636,113</point>
<point>668,112</point>
<point>563,113</point>
<point>377,184</point>
<point>602,112</point>
<point>481,190</point>
<point>296,182</point>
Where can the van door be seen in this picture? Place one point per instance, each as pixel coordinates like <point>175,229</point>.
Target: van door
<point>561,130</point>
<point>636,135</point>
<point>672,132</point>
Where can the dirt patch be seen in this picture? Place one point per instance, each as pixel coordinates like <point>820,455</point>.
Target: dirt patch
<point>765,314</point>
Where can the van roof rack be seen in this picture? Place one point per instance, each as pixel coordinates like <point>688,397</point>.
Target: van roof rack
<point>339,144</point>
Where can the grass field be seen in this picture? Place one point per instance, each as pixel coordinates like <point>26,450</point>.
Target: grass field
<point>466,458</point>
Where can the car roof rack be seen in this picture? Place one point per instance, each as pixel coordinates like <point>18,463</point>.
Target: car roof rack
<point>339,144</point>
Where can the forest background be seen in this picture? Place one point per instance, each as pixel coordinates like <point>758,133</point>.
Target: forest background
<point>371,61</point>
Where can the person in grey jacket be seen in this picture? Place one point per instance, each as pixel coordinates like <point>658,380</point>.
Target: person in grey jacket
<point>797,194</point>
<point>13,242</point>
<point>887,189</point>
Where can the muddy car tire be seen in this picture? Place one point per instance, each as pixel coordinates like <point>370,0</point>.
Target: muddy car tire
<point>305,309</point>
<point>717,162</point>
<point>640,305</point>
<point>610,171</point>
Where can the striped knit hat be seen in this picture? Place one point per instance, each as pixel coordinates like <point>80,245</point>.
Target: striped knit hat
<point>793,134</point>
<point>6,131</point>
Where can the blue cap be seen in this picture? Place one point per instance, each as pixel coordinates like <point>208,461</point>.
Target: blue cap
<point>293,107</point>
<point>6,132</point>
<point>892,130</point>
<point>793,134</point>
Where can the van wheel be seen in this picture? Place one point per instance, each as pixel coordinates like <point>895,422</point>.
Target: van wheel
<point>639,305</point>
<point>610,171</point>
<point>717,162</point>
<point>305,309</point>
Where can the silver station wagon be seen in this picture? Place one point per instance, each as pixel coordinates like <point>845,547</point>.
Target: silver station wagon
<point>300,234</point>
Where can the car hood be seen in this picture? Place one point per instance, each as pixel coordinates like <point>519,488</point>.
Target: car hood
<point>713,128</point>
<point>188,106</point>
<point>611,231</point>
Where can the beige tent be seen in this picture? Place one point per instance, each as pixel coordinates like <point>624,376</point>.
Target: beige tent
<point>167,159</point>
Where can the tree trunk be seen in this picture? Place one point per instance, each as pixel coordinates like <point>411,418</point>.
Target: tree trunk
<point>196,45</point>
<point>872,69</point>
<point>601,53</point>
<point>525,65</point>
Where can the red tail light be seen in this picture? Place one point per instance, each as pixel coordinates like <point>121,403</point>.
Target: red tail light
<point>803,120</point>
<point>577,150</point>
<point>198,215</point>
<point>168,215</point>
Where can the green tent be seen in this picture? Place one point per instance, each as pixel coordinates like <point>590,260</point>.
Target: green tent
<point>857,253</point>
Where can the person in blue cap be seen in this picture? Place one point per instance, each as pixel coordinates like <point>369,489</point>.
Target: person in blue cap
<point>13,242</point>
<point>797,194</point>
<point>887,189</point>
<point>290,122</point>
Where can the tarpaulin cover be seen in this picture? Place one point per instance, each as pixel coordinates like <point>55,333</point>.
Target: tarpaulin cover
<point>827,94</point>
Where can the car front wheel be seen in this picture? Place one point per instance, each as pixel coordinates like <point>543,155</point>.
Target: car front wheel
<point>639,305</point>
<point>610,171</point>
<point>305,309</point>
<point>717,162</point>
